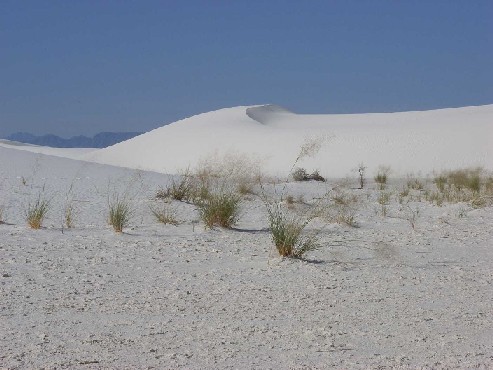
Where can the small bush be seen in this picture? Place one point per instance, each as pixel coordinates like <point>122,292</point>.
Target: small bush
<point>36,212</point>
<point>465,179</point>
<point>221,209</point>
<point>287,233</point>
<point>300,174</point>
<point>440,182</point>
<point>382,176</point>
<point>2,215</point>
<point>415,184</point>
<point>120,213</point>
<point>381,179</point>
<point>183,189</point>
<point>165,215</point>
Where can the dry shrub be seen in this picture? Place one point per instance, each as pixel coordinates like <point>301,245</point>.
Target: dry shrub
<point>165,215</point>
<point>300,174</point>
<point>36,212</point>
<point>342,207</point>
<point>181,189</point>
<point>464,185</point>
<point>241,170</point>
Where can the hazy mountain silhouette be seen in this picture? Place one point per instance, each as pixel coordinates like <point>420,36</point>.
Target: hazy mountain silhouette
<point>101,140</point>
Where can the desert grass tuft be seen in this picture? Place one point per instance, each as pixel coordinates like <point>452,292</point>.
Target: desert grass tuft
<point>36,212</point>
<point>220,209</point>
<point>382,176</point>
<point>182,189</point>
<point>165,215</point>
<point>120,213</point>
<point>287,233</point>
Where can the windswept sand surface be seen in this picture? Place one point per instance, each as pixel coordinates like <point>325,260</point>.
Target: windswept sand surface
<point>379,296</point>
<point>408,142</point>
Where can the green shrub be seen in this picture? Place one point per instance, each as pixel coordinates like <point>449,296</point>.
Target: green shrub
<point>287,233</point>
<point>220,209</point>
<point>120,213</point>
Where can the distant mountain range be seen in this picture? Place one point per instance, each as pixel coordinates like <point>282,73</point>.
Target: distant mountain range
<point>101,140</point>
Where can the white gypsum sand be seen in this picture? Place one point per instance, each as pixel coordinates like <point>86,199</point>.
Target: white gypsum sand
<point>406,141</point>
<point>411,289</point>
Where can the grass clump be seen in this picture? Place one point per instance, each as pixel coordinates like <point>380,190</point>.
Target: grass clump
<point>463,185</point>
<point>287,233</point>
<point>2,214</point>
<point>382,176</point>
<point>165,215</point>
<point>120,213</point>
<point>220,209</point>
<point>182,189</point>
<point>36,212</point>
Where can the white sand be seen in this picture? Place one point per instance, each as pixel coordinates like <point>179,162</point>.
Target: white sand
<point>379,296</point>
<point>408,142</point>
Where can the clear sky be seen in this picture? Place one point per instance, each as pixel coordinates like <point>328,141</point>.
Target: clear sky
<point>81,67</point>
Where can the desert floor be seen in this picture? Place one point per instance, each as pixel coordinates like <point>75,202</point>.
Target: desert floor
<point>380,295</point>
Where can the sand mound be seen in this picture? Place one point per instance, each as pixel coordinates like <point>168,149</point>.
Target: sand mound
<point>418,142</point>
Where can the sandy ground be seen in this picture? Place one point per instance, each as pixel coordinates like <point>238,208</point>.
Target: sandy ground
<point>383,295</point>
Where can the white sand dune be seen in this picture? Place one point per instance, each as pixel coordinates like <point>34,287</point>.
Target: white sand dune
<point>72,153</point>
<point>408,142</point>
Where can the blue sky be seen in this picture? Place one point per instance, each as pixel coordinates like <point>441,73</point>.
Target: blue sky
<point>81,67</point>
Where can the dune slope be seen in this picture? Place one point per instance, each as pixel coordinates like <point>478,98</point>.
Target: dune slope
<point>417,142</point>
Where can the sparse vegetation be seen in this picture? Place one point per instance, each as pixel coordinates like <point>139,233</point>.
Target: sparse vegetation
<point>36,212</point>
<point>464,185</point>
<point>220,209</point>
<point>69,214</point>
<point>287,233</point>
<point>300,174</point>
<point>165,215</point>
<point>2,214</point>
<point>120,212</point>
<point>381,177</point>
<point>182,189</point>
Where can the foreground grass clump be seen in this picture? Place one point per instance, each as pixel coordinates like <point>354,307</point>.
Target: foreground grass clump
<point>36,212</point>
<point>220,209</point>
<point>287,233</point>
<point>120,213</point>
